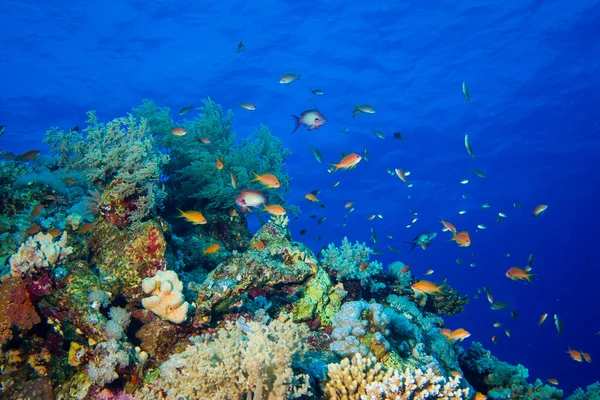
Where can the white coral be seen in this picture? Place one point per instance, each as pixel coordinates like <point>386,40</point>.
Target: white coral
<point>166,298</point>
<point>39,251</point>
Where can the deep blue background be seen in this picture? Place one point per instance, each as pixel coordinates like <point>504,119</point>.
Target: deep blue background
<point>533,70</point>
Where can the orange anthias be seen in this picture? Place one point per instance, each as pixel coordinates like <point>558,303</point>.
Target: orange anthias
<point>461,238</point>
<point>311,197</point>
<point>459,334</point>
<point>219,164</point>
<point>575,355</point>
<point>274,209</point>
<point>195,217</point>
<point>269,180</point>
<point>213,248</point>
<point>448,226</point>
<point>517,274</point>
<point>426,287</point>
<point>348,162</point>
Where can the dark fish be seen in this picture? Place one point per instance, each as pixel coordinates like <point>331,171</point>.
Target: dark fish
<point>515,315</point>
<point>313,216</point>
<point>498,305</point>
<point>531,260</point>
<point>366,155</point>
<point>398,136</point>
<point>319,237</point>
<point>321,220</point>
<point>423,239</point>
<point>322,205</point>
<point>185,110</point>
<point>318,92</point>
<point>379,134</point>
<point>8,156</point>
<point>317,154</point>
<point>392,248</point>
<point>303,231</point>
<point>2,127</point>
<point>374,237</point>
<point>30,155</point>
<point>74,129</point>
<point>240,47</point>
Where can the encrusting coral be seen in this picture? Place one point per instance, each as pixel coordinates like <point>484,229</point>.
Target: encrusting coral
<point>166,298</point>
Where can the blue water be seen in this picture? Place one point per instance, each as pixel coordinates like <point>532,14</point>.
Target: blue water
<point>533,69</point>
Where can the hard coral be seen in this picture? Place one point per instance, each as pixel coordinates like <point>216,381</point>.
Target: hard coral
<point>166,299</point>
<point>39,251</point>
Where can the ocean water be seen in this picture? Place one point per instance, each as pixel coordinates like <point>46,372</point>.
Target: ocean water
<point>533,70</point>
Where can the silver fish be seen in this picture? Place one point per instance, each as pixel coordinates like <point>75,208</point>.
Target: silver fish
<point>317,154</point>
<point>468,145</point>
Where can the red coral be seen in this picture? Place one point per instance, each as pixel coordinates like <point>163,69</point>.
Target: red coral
<point>21,311</point>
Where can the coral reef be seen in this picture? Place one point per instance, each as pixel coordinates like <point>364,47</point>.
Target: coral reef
<point>39,251</point>
<point>166,298</point>
<point>592,392</point>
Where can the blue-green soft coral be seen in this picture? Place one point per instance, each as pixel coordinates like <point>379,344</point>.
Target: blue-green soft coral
<point>592,393</point>
<point>194,179</point>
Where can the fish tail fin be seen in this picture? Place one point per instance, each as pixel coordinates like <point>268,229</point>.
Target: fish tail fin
<point>182,214</point>
<point>528,277</point>
<point>453,239</point>
<point>337,166</point>
<point>256,177</point>
<point>298,123</point>
<point>414,244</point>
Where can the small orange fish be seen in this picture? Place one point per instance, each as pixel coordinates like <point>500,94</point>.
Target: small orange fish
<point>586,357</point>
<point>552,381</point>
<point>461,238</point>
<point>459,335</point>
<point>178,131</point>
<point>400,173</point>
<point>539,210</point>
<point>30,155</point>
<point>50,197</point>
<point>205,140</point>
<point>348,162</point>
<point>54,232</point>
<point>213,248</point>
<point>233,179</point>
<point>429,272</point>
<point>349,204</point>
<point>405,269</point>
<point>269,180</point>
<point>85,227</point>
<point>575,355</point>
<point>219,164</point>
<point>195,217</point>
<point>479,396</point>
<point>260,245</point>
<point>448,226</point>
<point>248,106</point>
<point>274,209</point>
<point>426,287</point>
<point>33,229</point>
<point>363,266</point>
<point>516,274</point>
<point>456,374</point>
<point>542,319</point>
<point>36,211</point>
<point>311,197</point>
<point>69,181</point>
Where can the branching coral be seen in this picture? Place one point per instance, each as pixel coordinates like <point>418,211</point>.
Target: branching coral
<point>242,358</point>
<point>365,379</point>
<point>351,262</point>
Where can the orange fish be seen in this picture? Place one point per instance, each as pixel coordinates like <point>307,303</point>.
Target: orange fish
<point>213,248</point>
<point>269,180</point>
<point>479,396</point>
<point>400,173</point>
<point>311,197</point>
<point>461,238</point>
<point>274,209</point>
<point>69,181</point>
<point>85,227</point>
<point>527,268</point>
<point>195,217</point>
<point>456,374</point>
<point>363,266</point>
<point>405,269</point>
<point>539,210</point>
<point>426,287</point>
<point>459,334</point>
<point>552,381</point>
<point>448,226</point>
<point>33,229</point>
<point>348,162</point>
<point>30,155</point>
<point>205,140</point>
<point>36,211</point>
<point>348,204</point>
<point>575,355</point>
<point>54,232</point>
<point>516,274</point>
<point>219,164</point>
<point>586,357</point>
<point>179,131</point>
<point>260,245</point>
<point>542,319</point>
